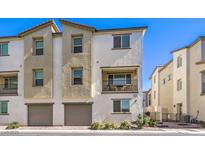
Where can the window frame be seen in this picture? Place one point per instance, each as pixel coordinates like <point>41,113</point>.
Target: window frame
<point>113,78</point>
<point>121,102</point>
<point>121,41</point>
<point>73,45</point>
<point>1,49</point>
<point>8,84</point>
<point>36,48</point>
<point>4,113</point>
<point>179,61</point>
<point>179,84</point>
<point>72,76</point>
<point>202,73</point>
<point>34,78</point>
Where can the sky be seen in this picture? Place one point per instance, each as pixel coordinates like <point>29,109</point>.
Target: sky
<point>163,35</point>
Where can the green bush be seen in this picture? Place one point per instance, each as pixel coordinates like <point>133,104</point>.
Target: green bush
<point>125,125</point>
<point>202,123</point>
<point>152,123</point>
<point>109,126</point>
<point>145,121</point>
<point>13,125</point>
<point>96,126</point>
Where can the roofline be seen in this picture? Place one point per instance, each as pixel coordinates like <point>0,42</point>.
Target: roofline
<point>154,71</point>
<point>5,37</point>
<point>122,29</point>
<point>190,45</point>
<point>167,64</point>
<point>42,25</point>
<point>90,28</point>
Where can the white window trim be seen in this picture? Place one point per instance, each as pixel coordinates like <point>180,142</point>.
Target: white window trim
<point>121,41</point>
<point>73,45</point>
<point>72,76</point>
<point>121,74</point>
<point>121,105</point>
<point>1,51</point>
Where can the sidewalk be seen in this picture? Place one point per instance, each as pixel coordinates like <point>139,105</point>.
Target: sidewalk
<point>70,131</point>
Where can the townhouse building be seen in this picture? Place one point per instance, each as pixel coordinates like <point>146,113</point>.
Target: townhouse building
<point>73,77</point>
<point>180,88</point>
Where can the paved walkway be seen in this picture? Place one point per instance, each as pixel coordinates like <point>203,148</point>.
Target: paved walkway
<point>70,131</point>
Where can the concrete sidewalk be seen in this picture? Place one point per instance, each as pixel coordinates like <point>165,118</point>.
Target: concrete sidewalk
<point>87,132</point>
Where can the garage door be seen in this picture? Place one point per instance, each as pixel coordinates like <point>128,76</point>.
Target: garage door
<point>40,115</point>
<point>78,114</point>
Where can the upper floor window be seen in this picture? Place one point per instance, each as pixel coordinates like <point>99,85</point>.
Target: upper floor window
<point>39,46</point>
<point>121,41</point>
<point>169,77</point>
<point>122,105</point>
<point>4,49</point>
<point>119,79</point>
<point>202,82</point>
<point>77,43</point>
<point>3,107</point>
<point>163,81</point>
<point>77,76</point>
<point>179,61</point>
<point>179,84</point>
<point>154,79</point>
<point>154,94</point>
<point>11,82</point>
<point>38,77</point>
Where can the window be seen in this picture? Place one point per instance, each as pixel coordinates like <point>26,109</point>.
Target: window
<point>163,81</point>
<point>77,76</point>
<point>11,82</point>
<point>169,77</point>
<point>179,85</point>
<point>121,105</point>
<point>38,77</point>
<point>203,82</point>
<point>119,79</point>
<point>3,107</point>
<point>77,44</point>
<point>39,46</point>
<point>4,49</point>
<point>121,41</point>
<point>179,61</point>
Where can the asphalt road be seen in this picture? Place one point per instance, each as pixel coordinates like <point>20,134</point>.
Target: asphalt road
<point>162,132</point>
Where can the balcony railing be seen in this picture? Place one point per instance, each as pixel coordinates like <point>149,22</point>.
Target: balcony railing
<point>119,86</point>
<point>9,89</point>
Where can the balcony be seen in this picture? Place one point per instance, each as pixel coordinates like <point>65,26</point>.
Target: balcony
<point>8,90</point>
<point>119,86</point>
<point>8,83</point>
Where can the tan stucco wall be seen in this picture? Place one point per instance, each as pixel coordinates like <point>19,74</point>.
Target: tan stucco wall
<point>197,102</point>
<point>180,73</point>
<point>71,60</point>
<point>166,90</point>
<point>155,87</point>
<point>35,62</point>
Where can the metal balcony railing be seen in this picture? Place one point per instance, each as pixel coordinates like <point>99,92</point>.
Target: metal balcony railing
<point>8,89</point>
<point>119,85</point>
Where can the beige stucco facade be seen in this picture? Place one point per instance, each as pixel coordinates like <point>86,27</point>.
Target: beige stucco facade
<point>73,60</point>
<point>188,100</point>
<point>98,59</point>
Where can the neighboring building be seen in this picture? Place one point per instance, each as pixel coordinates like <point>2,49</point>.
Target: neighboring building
<point>73,77</point>
<point>181,83</point>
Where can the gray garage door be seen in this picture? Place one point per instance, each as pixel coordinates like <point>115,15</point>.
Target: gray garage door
<point>78,114</point>
<point>40,115</point>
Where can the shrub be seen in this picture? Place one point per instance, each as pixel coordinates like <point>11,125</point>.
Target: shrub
<point>202,123</point>
<point>140,121</point>
<point>96,126</point>
<point>152,123</point>
<point>125,125</point>
<point>13,125</point>
<point>109,126</point>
